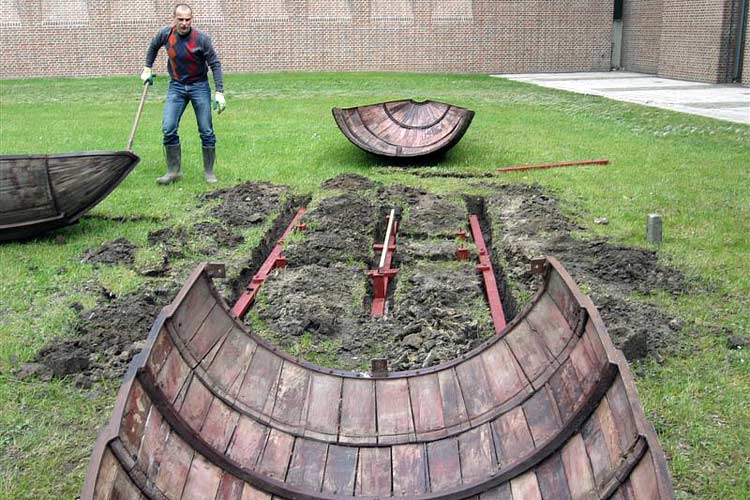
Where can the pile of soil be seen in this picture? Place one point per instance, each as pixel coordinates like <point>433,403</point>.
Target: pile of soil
<point>119,251</point>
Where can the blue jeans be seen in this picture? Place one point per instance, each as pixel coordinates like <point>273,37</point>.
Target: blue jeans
<point>178,96</point>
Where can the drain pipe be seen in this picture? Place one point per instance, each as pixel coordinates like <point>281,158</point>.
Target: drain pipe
<point>740,43</point>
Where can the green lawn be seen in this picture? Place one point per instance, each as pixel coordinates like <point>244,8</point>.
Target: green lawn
<point>278,128</point>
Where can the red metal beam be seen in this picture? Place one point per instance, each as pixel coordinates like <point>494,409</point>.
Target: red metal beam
<point>382,275</point>
<point>553,165</point>
<point>273,261</point>
<point>490,284</point>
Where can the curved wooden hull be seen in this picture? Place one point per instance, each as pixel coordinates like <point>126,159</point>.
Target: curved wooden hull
<point>545,409</point>
<point>39,193</point>
<point>404,129</point>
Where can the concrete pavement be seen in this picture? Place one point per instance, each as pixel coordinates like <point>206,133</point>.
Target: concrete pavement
<point>723,102</point>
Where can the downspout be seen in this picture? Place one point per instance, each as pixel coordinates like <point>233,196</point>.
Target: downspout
<point>740,43</point>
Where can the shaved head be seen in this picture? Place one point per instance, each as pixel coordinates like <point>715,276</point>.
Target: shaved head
<point>183,8</point>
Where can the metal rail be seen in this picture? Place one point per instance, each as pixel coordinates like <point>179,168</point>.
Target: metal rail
<point>382,275</point>
<point>490,284</point>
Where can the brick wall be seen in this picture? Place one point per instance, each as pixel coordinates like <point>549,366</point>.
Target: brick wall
<point>641,35</point>
<point>683,39</point>
<point>109,37</point>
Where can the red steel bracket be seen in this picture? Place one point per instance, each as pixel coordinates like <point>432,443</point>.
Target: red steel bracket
<point>273,261</point>
<point>490,284</point>
<point>384,273</point>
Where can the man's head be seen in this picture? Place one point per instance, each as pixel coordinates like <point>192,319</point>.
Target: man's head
<point>183,18</point>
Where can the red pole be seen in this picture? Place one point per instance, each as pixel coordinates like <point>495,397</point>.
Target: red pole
<point>553,165</point>
<point>490,284</point>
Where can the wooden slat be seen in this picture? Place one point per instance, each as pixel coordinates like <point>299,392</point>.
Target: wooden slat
<point>160,351</point>
<point>562,295</point>
<point>643,479</point>
<point>444,464</point>
<point>173,376</point>
<point>455,415</point>
<point>475,388</point>
<point>552,480</point>
<point>374,472</point>
<point>123,487</point>
<point>512,437</point>
<point>152,445</point>
<point>622,414</point>
<point>477,453</point>
<point>290,396</point>
<point>231,360</point>
<point>358,412</point>
<point>322,420</point>
<point>203,479</point>
<point>547,320</point>
<point>247,442</point>
<point>501,492</point>
<point>542,416</point>
<point>409,470</point>
<point>195,406</point>
<point>577,469</point>
<point>308,464</point>
<point>276,454</point>
<point>230,487</point>
<point>395,422</point>
<point>174,466</point>
<point>341,469</point>
<point>134,418</point>
<point>261,381</point>
<point>566,390</point>
<point>596,448</point>
<point>609,431</point>
<point>533,356</point>
<point>108,471</point>
<point>504,377</point>
<point>251,493</point>
<point>427,406</point>
<point>526,487</point>
<point>219,425</point>
<point>588,366</point>
<point>215,327</point>
<point>193,310</point>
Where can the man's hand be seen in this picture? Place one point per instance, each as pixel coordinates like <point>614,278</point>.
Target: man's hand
<point>147,75</point>
<point>219,102</point>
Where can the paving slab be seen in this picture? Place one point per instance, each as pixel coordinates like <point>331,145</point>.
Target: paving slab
<point>723,102</point>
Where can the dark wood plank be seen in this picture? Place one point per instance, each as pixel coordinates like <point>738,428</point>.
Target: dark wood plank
<point>526,487</point>
<point>596,448</point>
<point>585,361</point>
<point>622,414</point>
<point>552,480</point>
<point>275,458</point>
<point>528,348</point>
<point>251,493</point>
<point>501,492</point>
<point>643,479</point>
<point>108,470</point>
<point>577,469</point>
<point>174,466</point>
<point>203,479</point>
<point>477,453</point>
<point>322,419</point>
<point>134,418</point>
<point>505,377</point>
<point>609,431</point>
<point>395,422</point>
<point>308,464</point>
<point>219,425</point>
<point>152,445</point>
<point>173,376</point>
<point>258,389</point>
<point>444,464</point>
<point>123,487</point>
<point>196,403</point>
<point>193,310</point>
<point>290,396</point>
<point>216,325</point>
<point>160,351</point>
<point>475,388</point>
<point>566,390</point>
<point>427,406</point>
<point>231,360</point>
<point>374,472</point>
<point>455,415</point>
<point>542,416</point>
<point>341,469</point>
<point>547,320</point>
<point>562,295</point>
<point>409,470</point>
<point>247,442</point>
<point>358,412</point>
<point>512,437</point>
<point>230,488</point>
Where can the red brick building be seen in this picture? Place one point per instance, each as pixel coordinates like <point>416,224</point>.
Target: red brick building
<point>691,39</point>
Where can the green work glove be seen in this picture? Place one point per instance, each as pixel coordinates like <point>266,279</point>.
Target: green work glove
<point>147,75</point>
<point>219,102</point>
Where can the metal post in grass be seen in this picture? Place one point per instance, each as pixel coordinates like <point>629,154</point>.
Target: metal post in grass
<point>654,228</point>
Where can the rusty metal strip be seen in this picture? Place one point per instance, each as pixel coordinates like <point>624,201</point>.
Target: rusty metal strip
<point>490,284</point>
<point>382,275</point>
<point>553,165</point>
<point>274,260</point>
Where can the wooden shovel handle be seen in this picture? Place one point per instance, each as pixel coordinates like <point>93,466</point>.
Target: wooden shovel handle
<point>146,85</point>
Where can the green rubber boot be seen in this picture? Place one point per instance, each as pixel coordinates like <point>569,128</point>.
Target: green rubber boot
<point>174,158</point>
<point>209,157</point>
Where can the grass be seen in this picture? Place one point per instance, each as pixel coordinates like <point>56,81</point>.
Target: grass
<point>278,128</point>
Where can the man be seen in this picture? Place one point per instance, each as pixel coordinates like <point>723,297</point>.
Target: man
<point>190,55</point>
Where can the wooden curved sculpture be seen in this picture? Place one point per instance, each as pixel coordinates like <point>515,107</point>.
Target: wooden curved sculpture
<point>404,129</point>
<point>545,409</point>
<point>39,193</point>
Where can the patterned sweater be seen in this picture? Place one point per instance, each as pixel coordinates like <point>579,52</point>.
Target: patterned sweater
<point>189,56</point>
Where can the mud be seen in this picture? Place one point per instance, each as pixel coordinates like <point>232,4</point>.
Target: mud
<point>119,251</point>
<point>435,309</point>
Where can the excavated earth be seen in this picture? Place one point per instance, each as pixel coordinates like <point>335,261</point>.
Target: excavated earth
<point>318,307</point>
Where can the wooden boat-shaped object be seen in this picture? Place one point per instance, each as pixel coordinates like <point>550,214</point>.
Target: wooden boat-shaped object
<point>404,129</point>
<point>39,193</point>
<point>545,409</point>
